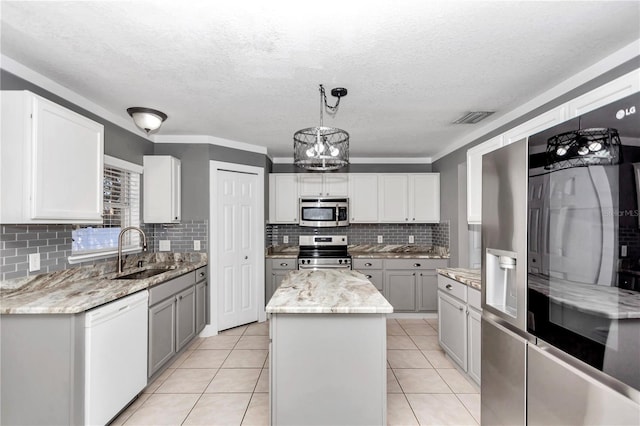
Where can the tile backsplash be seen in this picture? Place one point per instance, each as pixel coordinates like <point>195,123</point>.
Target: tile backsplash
<point>358,233</point>
<point>53,242</point>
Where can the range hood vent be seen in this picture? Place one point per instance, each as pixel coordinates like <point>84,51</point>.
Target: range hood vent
<point>473,117</point>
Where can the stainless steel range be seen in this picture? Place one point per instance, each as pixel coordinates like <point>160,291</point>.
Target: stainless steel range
<point>323,252</point>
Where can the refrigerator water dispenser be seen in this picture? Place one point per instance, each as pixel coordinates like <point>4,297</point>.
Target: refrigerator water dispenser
<point>501,292</point>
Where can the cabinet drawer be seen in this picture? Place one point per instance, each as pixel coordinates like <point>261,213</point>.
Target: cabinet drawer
<point>375,277</point>
<point>415,263</point>
<point>452,287</point>
<point>170,288</point>
<point>359,264</point>
<point>474,298</point>
<point>201,274</point>
<point>283,263</point>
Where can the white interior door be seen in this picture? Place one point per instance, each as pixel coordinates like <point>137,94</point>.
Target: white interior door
<point>237,284</point>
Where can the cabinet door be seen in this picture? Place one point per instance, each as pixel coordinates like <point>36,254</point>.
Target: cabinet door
<point>474,338</point>
<point>452,328</point>
<point>176,192</point>
<point>162,334</point>
<point>535,125</point>
<point>428,291</point>
<point>393,203</point>
<point>605,94</point>
<point>336,184</point>
<point>311,185</point>
<point>201,305</point>
<point>424,198</point>
<point>376,277</point>
<point>400,288</point>
<point>185,317</point>
<point>67,168</point>
<point>474,178</point>
<point>161,181</point>
<point>283,198</point>
<point>363,198</point>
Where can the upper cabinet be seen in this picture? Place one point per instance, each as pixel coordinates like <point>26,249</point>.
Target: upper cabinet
<point>363,197</point>
<point>161,181</point>
<point>323,184</point>
<point>617,89</point>
<point>535,125</point>
<point>283,198</point>
<point>51,165</point>
<point>409,198</point>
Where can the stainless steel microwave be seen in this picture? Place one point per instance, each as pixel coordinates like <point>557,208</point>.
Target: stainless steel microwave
<point>322,212</point>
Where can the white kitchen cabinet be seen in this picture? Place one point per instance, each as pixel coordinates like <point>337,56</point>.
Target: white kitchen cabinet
<point>541,122</point>
<point>283,198</point>
<point>452,328</point>
<point>474,338</point>
<point>323,184</point>
<point>474,178</point>
<point>363,197</point>
<point>51,162</point>
<point>605,94</point>
<point>409,198</point>
<point>162,180</point>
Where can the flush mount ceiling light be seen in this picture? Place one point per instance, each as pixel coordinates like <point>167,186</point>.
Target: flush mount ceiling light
<point>322,148</point>
<point>584,147</point>
<point>473,117</point>
<point>147,119</point>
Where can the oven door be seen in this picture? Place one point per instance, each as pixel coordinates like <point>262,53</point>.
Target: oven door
<point>321,267</point>
<point>323,214</point>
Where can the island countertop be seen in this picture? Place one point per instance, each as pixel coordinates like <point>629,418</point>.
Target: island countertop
<point>327,292</point>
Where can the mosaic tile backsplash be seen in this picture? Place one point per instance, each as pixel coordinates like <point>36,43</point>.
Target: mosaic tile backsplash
<point>360,233</point>
<point>53,242</point>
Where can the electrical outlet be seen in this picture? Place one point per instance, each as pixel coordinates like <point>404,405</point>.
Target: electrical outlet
<point>165,245</point>
<point>285,239</point>
<point>380,239</point>
<point>411,239</point>
<point>34,262</point>
<point>623,251</point>
<point>196,245</point>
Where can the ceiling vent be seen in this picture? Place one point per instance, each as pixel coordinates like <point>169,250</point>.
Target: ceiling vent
<point>473,117</point>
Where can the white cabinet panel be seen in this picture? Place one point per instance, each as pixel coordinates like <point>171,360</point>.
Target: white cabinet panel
<point>474,339</point>
<point>162,182</point>
<point>311,185</point>
<point>474,178</point>
<point>605,94</point>
<point>51,162</point>
<point>452,328</point>
<point>323,184</point>
<point>535,125</point>
<point>336,184</point>
<point>393,205</point>
<point>424,198</point>
<point>363,197</point>
<point>283,198</point>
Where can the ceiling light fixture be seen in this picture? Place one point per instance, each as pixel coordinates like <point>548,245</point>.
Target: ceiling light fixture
<point>584,147</point>
<point>322,148</point>
<point>147,119</point>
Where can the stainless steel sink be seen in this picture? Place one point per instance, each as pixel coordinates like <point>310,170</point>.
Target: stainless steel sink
<point>139,275</point>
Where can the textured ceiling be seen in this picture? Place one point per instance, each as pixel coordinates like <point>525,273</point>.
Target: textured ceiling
<point>249,71</point>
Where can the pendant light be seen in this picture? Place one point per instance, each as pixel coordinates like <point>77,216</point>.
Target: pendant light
<point>147,119</point>
<point>322,148</point>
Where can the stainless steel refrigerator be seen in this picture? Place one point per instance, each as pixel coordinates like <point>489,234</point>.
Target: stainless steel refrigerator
<point>560,249</point>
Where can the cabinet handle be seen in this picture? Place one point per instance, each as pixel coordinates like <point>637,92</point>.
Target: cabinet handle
<point>368,276</point>
<point>368,264</point>
<point>202,274</point>
<point>448,286</point>
<point>413,218</point>
<point>180,298</point>
<point>176,218</point>
<point>284,264</point>
<point>414,274</point>
<point>406,218</point>
<point>417,265</point>
<point>460,308</point>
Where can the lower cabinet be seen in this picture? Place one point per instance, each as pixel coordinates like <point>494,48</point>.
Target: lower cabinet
<point>401,290</point>
<point>177,312</point>
<point>474,336</point>
<point>452,326</point>
<point>276,270</point>
<point>411,284</point>
<point>428,290</point>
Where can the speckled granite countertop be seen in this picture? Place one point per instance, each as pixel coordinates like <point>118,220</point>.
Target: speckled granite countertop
<point>608,302</point>
<point>79,289</point>
<point>469,277</point>
<point>327,292</point>
<point>371,251</point>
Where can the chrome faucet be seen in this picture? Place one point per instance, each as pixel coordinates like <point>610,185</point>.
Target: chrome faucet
<point>124,230</point>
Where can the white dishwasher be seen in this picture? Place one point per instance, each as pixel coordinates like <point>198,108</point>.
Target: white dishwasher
<point>115,356</point>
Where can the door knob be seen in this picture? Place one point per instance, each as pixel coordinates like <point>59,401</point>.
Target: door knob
<point>246,257</point>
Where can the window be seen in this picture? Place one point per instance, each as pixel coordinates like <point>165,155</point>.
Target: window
<point>121,208</point>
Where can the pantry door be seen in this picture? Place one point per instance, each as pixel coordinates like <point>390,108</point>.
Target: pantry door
<point>237,245</point>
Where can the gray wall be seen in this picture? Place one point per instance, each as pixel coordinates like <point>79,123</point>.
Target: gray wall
<point>452,167</point>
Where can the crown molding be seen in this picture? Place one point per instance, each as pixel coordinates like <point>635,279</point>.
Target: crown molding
<point>211,140</point>
<point>369,160</point>
<point>617,58</point>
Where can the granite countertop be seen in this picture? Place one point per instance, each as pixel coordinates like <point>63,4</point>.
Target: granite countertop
<point>327,292</point>
<point>608,302</point>
<point>469,277</point>
<point>79,289</point>
<point>372,251</point>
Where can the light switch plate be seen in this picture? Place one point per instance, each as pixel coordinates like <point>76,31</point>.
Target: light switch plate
<point>411,239</point>
<point>34,262</point>
<point>285,239</point>
<point>196,245</point>
<point>165,245</point>
<point>380,239</point>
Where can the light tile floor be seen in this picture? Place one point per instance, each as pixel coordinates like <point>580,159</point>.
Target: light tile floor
<point>224,380</point>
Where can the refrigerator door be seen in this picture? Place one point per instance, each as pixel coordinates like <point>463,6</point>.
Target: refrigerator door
<point>503,375</point>
<point>560,394</point>
<point>504,233</point>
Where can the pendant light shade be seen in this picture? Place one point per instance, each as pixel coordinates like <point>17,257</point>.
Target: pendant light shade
<point>147,119</point>
<point>584,147</point>
<point>322,148</point>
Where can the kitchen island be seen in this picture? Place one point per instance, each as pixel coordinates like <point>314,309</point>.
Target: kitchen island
<point>328,350</point>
